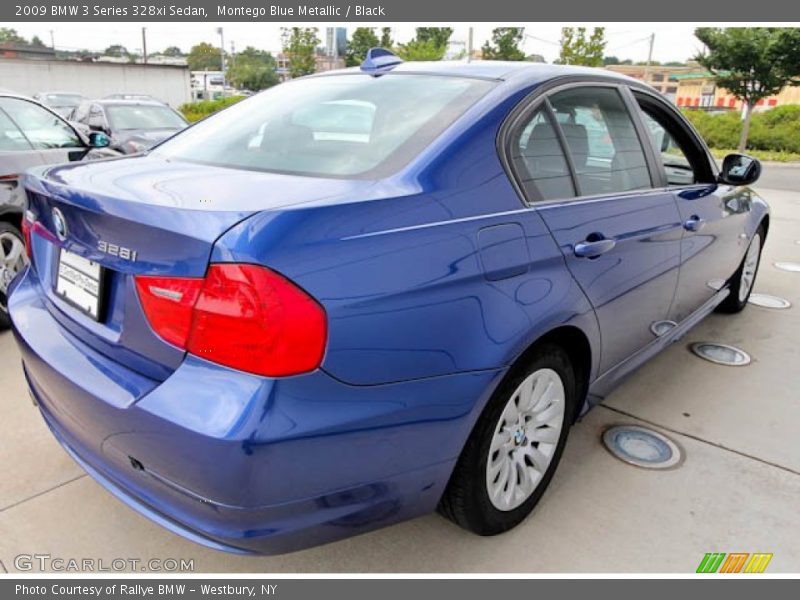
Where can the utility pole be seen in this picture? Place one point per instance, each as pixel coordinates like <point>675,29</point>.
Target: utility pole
<point>469,45</point>
<point>233,58</point>
<point>649,56</point>
<point>222,54</point>
<point>144,45</point>
<point>52,40</point>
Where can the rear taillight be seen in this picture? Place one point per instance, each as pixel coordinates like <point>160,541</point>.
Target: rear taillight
<point>168,303</point>
<point>242,316</point>
<point>27,225</point>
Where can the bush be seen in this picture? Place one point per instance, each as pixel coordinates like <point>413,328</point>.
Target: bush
<point>194,111</point>
<point>775,130</point>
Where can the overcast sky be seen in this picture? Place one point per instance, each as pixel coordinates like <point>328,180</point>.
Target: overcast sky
<point>625,40</point>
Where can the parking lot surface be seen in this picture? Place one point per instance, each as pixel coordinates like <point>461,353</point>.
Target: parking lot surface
<point>736,490</point>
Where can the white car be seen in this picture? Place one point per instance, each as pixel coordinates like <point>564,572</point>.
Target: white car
<point>30,135</point>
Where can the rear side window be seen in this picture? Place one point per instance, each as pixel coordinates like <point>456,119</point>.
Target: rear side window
<point>122,117</point>
<point>602,141</point>
<point>539,161</point>
<point>333,126</point>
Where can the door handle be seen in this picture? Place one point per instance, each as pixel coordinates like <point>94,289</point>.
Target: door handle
<point>593,248</point>
<point>694,223</point>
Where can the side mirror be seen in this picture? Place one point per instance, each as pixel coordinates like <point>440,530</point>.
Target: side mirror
<point>98,139</point>
<point>740,169</point>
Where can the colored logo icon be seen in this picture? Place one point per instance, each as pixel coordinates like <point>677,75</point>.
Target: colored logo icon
<point>736,562</point>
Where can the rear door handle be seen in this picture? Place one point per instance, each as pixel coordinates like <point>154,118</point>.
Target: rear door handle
<point>594,248</point>
<point>694,223</point>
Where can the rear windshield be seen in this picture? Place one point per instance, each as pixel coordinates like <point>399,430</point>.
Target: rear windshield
<point>63,99</point>
<point>332,126</point>
<point>143,116</point>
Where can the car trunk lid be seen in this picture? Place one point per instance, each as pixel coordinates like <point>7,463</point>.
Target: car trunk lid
<point>144,216</point>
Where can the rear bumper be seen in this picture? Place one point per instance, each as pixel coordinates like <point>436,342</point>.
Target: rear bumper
<point>245,463</point>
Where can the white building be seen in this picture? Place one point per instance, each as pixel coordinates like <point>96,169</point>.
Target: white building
<point>167,83</point>
<point>207,85</point>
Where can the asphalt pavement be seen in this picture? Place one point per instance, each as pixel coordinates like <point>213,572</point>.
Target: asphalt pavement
<point>780,176</point>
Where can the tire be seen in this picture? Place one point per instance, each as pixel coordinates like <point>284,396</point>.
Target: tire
<point>743,281</point>
<point>11,240</point>
<point>475,498</point>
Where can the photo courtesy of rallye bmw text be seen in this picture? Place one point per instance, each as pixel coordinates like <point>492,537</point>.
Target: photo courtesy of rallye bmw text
<point>398,294</point>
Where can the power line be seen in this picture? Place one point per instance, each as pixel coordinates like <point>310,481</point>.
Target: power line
<point>627,44</point>
<point>533,37</point>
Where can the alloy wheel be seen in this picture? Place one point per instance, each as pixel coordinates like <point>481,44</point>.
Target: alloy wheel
<point>525,439</point>
<point>749,267</point>
<point>12,260</point>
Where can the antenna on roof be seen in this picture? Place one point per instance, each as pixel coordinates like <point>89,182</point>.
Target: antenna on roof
<point>379,61</point>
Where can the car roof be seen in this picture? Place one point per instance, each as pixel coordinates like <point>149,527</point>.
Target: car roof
<point>10,94</point>
<point>124,102</point>
<point>497,70</point>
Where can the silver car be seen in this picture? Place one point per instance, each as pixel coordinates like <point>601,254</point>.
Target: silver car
<point>30,135</point>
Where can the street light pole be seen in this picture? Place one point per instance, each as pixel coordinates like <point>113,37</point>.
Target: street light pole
<point>144,44</point>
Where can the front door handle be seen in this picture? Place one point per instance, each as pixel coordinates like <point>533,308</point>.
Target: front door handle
<point>593,248</point>
<point>694,223</point>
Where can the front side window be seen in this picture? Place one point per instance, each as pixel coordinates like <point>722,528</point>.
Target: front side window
<point>683,155</point>
<point>677,167</point>
<point>602,141</point>
<point>333,126</point>
<point>40,126</point>
<point>11,138</point>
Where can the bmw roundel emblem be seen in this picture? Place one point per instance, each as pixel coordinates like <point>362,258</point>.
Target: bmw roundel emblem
<point>60,224</point>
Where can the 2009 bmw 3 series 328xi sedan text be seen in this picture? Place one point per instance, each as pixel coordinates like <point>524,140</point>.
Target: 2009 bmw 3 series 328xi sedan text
<point>365,295</point>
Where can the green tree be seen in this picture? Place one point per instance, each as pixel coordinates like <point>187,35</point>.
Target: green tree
<point>505,44</point>
<point>438,35</point>
<point>416,50</point>
<point>429,43</point>
<point>611,60</point>
<point>363,39</point>
<point>386,38</point>
<point>204,57</point>
<point>578,48</point>
<point>253,69</point>
<point>752,63</point>
<point>173,51</point>
<point>116,50</point>
<point>300,47</point>
<point>37,42</point>
<point>10,36</point>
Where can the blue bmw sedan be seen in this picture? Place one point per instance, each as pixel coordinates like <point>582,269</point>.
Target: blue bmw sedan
<point>362,296</point>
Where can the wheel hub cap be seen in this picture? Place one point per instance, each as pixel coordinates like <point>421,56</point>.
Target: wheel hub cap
<point>525,439</point>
